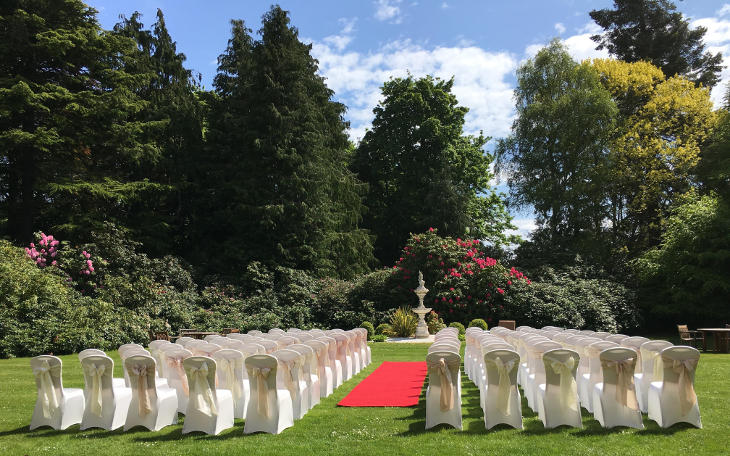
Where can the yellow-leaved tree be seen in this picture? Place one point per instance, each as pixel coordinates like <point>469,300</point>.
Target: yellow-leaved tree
<point>661,127</point>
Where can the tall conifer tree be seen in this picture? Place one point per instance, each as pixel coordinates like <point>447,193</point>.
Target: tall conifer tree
<point>279,154</point>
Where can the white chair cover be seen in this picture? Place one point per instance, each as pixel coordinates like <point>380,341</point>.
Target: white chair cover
<point>649,352</point>
<point>230,375</point>
<point>270,407</point>
<point>557,398</point>
<point>672,397</point>
<point>289,375</point>
<point>209,410</point>
<point>443,401</point>
<point>55,406</point>
<point>106,405</point>
<point>150,407</point>
<point>500,397</point>
<point>614,399</point>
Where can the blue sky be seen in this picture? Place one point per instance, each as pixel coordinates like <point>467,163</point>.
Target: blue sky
<point>360,44</point>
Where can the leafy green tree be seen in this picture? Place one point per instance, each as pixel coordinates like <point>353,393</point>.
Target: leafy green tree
<point>162,220</point>
<point>422,170</point>
<point>279,186</point>
<point>70,130</point>
<point>557,154</point>
<point>653,31</point>
<point>663,124</point>
<point>684,279</point>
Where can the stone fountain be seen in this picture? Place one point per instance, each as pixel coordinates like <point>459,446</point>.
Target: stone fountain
<point>421,311</point>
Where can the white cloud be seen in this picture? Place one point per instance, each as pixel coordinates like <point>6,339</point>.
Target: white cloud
<point>444,5</point>
<point>525,226</point>
<point>580,46</point>
<point>388,10</point>
<point>560,28</point>
<point>481,80</point>
<point>723,11</point>
<point>341,40</point>
<point>717,39</point>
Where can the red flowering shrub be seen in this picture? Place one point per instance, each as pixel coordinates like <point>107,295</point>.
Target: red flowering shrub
<point>464,282</point>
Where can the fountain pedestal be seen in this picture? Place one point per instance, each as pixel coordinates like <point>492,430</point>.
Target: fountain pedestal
<point>421,310</point>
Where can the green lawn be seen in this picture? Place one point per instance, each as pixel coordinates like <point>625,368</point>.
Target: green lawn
<point>327,429</point>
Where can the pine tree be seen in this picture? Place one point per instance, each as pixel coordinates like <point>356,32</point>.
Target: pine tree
<point>68,119</point>
<point>278,154</point>
<point>162,220</point>
<point>652,30</point>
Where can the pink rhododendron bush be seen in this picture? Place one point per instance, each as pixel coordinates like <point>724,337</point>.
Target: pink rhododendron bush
<point>463,281</point>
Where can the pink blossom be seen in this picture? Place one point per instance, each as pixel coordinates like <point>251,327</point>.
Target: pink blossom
<point>53,263</point>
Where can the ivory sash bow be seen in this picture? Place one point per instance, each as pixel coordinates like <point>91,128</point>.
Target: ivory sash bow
<point>685,369</point>
<point>200,391</point>
<point>96,373</point>
<point>262,389</point>
<point>504,393</point>
<point>176,363</point>
<point>568,389</point>
<point>286,375</point>
<point>228,366</point>
<point>49,400</point>
<point>445,384</point>
<point>625,389</point>
<point>143,396</point>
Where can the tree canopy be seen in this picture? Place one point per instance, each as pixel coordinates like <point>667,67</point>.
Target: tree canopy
<point>423,171</point>
<point>651,30</point>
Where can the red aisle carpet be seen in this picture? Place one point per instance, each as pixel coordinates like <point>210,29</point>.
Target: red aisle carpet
<point>390,385</point>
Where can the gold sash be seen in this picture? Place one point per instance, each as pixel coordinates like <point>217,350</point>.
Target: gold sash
<point>96,373</point>
<point>568,388</point>
<point>625,389</point>
<point>49,400</point>
<point>504,393</point>
<point>262,389</point>
<point>200,391</point>
<point>143,396</point>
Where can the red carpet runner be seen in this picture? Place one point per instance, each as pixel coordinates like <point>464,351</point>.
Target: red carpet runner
<point>390,385</point>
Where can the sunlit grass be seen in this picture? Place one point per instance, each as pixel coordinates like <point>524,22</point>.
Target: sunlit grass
<point>328,429</point>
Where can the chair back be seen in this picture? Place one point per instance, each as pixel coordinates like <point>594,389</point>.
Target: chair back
<point>49,384</point>
<point>141,373</point>
<point>98,391</point>
<point>289,370</point>
<point>285,341</point>
<point>560,367</point>
<point>124,347</point>
<point>438,347</point>
<point>649,353</point>
<point>262,372</point>
<point>617,338</point>
<point>156,344</point>
<point>201,374</point>
<point>321,354</point>
<point>90,351</point>
<point>174,370</point>
<point>309,363</point>
<point>593,354</point>
<point>303,336</point>
<point>443,373</point>
<point>617,366</point>
<point>205,349</point>
<point>501,366</point>
<point>684,333</point>
<point>279,331</point>
<point>229,371</point>
<point>255,332</point>
<point>269,345</point>
<point>679,364</point>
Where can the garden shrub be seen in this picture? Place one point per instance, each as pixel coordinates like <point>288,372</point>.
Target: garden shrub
<point>379,288</point>
<point>464,282</point>
<point>459,326</point>
<point>478,323</point>
<point>434,322</point>
<point>565,298</point>
<point>403,322</point>
<point>384,329</point>
<point>369,327</point>
<point>380,338</point>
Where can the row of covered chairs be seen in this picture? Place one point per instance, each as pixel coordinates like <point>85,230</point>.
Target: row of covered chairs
<point>443,394</point>
<point>269,379</point>
<point>613,376</point>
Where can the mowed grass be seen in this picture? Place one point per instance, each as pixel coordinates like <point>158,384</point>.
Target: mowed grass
<point>328,429</point>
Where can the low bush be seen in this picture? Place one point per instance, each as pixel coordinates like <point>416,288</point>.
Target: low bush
<point>403,322</point>
<point>459,326</point>
<point>380,338</point>
<point>478,323</point>
<point>383,329</point>
<point>434,322</point>
<point>369,326</point>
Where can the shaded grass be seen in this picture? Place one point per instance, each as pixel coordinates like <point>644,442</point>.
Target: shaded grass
<point>328,429</point>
